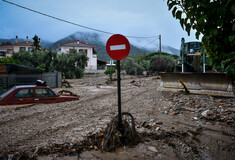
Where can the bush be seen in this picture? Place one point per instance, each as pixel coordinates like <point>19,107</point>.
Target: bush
<point>9,60</point>
<point>129,66</point>
<point>110,70</point>
<point>164,64</point>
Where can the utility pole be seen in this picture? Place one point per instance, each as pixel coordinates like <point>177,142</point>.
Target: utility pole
<point>182,53</point>
<point>160,51</point>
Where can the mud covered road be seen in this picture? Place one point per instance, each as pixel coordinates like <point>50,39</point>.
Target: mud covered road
<point>174,125</point>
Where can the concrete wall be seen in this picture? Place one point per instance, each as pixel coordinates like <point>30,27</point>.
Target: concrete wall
<point>54,80</point>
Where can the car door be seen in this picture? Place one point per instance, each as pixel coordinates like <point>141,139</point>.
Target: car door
<point>22,96</point>
<point>44,95</point>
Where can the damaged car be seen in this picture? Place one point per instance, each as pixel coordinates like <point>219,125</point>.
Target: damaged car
<point>39,93</point>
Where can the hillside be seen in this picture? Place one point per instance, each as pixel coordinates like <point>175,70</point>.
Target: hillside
<point>96,40</point>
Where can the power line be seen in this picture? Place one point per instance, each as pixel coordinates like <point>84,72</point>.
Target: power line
<point>76,24</point>
<point>150,43</point>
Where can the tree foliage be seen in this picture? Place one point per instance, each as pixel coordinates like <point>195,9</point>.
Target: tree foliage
<point>36,59</point>
<point>110,71</point>
<point>36,43</point>
<point>214,20</point>
<point>71,64</point>
<point>24,57</point>
<point>131,67</point>
<point>9,60</point>
<point>165,63</point>
<point>136,65</point>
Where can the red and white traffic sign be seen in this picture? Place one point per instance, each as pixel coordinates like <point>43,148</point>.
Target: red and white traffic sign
<point>118,47</point>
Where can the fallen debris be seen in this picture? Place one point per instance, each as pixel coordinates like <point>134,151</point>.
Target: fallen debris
<point>124,136</point>
<point>216,109</point>
<point>66,92</point>
<point>185,88</point>
<point>66,84</point>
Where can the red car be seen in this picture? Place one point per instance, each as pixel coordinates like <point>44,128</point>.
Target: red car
<point>26,94</point>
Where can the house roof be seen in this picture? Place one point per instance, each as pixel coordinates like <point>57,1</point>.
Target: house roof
<point>101,61</point>
<point>6,47</point>
<point>76,43</point>
<point>25,43</point>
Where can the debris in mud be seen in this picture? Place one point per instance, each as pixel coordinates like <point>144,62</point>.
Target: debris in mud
<point>124,136</point>
<point>181,141</point>
<point>66,92</point>
<point>66,84</point>
<point>105,140</point>
<point>108,82</point>
<point>216,109</point>
<point>65,125</point>
<point>185,88</point>
<point>174,110</point>
<point>139,83</point>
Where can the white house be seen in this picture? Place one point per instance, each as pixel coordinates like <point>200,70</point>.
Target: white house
<point>81,47</point>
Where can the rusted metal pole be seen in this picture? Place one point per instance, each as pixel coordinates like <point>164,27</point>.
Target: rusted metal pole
<point>119,93</point>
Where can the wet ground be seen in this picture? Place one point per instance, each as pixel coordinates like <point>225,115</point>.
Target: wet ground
<point>172,125</point>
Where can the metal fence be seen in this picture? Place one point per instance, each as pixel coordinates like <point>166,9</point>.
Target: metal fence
<point>54,80</point>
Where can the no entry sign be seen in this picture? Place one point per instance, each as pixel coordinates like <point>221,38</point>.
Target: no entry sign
<point>118,47</point>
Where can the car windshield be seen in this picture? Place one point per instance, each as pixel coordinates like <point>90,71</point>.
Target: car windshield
<point>6,92</point>
<point>54,91</point>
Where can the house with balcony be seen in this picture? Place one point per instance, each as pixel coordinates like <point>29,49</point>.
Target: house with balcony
<point>86,48</point>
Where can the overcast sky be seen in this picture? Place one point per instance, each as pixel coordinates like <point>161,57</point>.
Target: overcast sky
<point>127,17</point>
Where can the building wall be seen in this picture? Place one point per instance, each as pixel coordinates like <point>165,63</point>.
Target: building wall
<point>17,48</point>
<point>9,53</point>
<point>6,52</point>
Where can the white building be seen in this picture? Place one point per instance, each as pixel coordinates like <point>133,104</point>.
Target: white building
<point>81,47</point>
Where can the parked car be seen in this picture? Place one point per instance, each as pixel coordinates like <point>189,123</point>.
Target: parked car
<point>26,94</point>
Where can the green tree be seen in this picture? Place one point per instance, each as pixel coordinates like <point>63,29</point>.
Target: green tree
<point>164,63</point>
<point>9,60</point>
<point>36,43</point>
<point>145,64</point>
<point>214,20</point>
<point>71,64</point>
<point>45,60</point>
<point>131,67</point>
<point>110,71</point>
<point>24,57</point>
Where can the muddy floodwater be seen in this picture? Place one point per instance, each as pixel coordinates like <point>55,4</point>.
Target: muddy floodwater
<point>172,125</point>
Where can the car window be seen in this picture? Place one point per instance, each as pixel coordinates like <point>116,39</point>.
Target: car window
<point>43,93</point>
<point>24,93</point>
<point>6,92</point>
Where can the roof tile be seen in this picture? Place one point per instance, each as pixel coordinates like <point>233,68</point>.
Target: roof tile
<point>76,44</point>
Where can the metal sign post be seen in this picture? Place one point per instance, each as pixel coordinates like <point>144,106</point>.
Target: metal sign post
<point>119,93</point>
<point>118,48</point>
